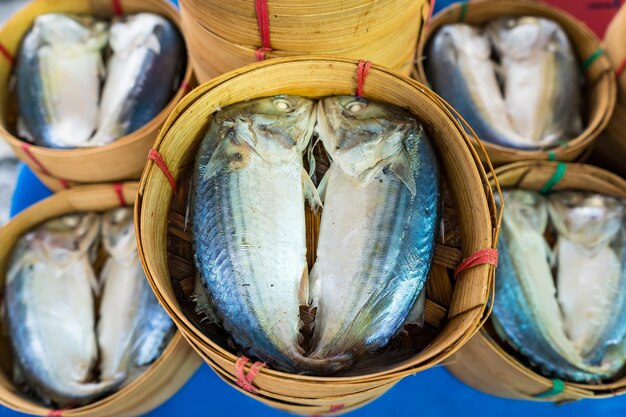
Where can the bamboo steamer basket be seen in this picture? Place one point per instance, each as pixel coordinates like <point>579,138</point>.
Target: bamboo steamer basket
<point>154,386</point>
<point>204,46</point>
<point>484,363</point>
<point>455,310</point>
<point>221,40</point>
<point>121,160</point>
<point>295,26</point>
<point>610,150</point>
<point>600,87</point>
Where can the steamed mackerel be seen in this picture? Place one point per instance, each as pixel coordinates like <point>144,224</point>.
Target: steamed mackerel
<point>526,312</point>
<point>460,69</point>
<point>131,322</point>
<point>49,298</point>
<point>591,273</point>
<point>59,69</point>
<point>542,80</point>
<point>249,225</point>
<point>142,74</point>
<point>377,234</point>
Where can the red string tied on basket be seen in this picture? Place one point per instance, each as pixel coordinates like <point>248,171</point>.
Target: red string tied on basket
<point>482,257</point>
<point>26,148</point>
<point>6,54</point>
<point>55,413</point>
<point>156,157</point>
<point>263,21</point>
<point>336,407</point>
<point>119,191</point>
<point>117,7</point>
<point>430,12</point>
<point>245,380</point>
<point>361,74</point>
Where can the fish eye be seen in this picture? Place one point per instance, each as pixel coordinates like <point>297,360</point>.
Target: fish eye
<point>355,106</point>
<point>282,104</point>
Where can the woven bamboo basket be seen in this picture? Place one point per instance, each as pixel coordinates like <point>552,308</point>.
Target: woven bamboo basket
<point>224,36</point>
<point>610,150</point>
<point>486,364</point>
<point>158,383</point>
<point>123,159</point>
<point>599,89</point>
<point>455,309</point>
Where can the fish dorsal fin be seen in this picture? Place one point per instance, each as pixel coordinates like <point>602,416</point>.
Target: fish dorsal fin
<point>400,165</point>
<point>310,192</point>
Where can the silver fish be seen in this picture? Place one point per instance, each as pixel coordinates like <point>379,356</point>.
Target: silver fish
<point>526,313</point>
<point>49,297</point>
<point>142,74</point>
<point>59,69</point>
<point>460,69</point>
<point>249,225</point>
<point>542,81</point>
<point>8,178</point>
<point>591,274</point>
<point>132,326</point>
<point>377,233</point>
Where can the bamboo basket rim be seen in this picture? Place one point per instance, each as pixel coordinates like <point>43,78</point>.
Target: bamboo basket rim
<point>581,170</point>
<point>173,16</point>
<point>539,9</point>
<point>40,213</point>
<point>189,101</point>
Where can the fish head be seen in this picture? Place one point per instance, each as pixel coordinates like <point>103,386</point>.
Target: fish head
<point>118,232</point>
<point>521,38</point>
<point>586,218</point>
<point>524,207</point>
<point>361,135</point>
<point>61,239</point>
<point>62,31</point>
<point>464,39</point>
<point>129,33</point>
<point>276,128</point>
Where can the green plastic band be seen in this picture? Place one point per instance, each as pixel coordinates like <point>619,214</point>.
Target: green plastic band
<point>561,168</point>
<point>557,388</point>
<point>551,156</point>
<point>587,63</point>
<point>463,12</point>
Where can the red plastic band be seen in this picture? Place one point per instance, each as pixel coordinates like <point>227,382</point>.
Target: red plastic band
<point>263,20</point>
<point>155,156</point>
<point>55,413</point>
<point>5,53</point>
<point>117,7</point>
<point>184,86</point>
<point>430,13</point>
<point>243,380</point>
<point>361,73</point>
<point>336,407</point>
<point>26,148</point>
<point>119,191</point>
<point>482,257</point>
<point>620,69</point>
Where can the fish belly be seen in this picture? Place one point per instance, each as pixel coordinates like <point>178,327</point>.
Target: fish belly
<point>71,93</point>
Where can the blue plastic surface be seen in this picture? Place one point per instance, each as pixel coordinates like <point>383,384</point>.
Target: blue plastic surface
<point>431,393</point>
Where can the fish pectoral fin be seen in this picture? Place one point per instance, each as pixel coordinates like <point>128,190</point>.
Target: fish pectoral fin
<point>323,185</point>
<point>220,160</point>
<point>303,292</point>
<point>416,315</point>
<point>401,167</point>
<point>310,192</point>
